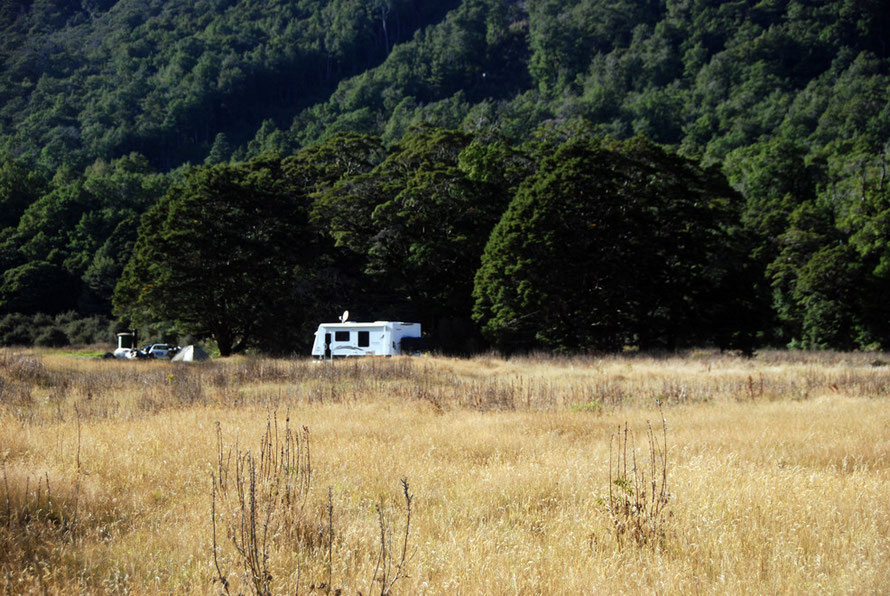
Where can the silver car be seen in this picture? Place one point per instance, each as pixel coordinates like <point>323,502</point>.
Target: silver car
<point>159,350</point>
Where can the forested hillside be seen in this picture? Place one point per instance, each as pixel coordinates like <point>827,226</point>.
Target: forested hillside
<point>165,78</point>
<point>109,110</point>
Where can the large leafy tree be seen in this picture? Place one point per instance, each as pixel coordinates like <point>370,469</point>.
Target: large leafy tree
<point>419,221</point>
<point>829,277</point>
<point>611,244</point>
<point>220,255</point>
<point>775,180</point>
<point>337,274</point>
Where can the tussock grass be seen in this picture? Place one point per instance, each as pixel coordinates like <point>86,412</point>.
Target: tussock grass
<point>777,474</point>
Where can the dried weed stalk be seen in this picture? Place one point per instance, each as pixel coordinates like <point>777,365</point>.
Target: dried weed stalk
<point>261,501</point>
<point>387,572</point>
<point>638,493</point>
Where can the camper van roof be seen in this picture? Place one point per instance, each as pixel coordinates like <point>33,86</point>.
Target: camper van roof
<point>358,324</point>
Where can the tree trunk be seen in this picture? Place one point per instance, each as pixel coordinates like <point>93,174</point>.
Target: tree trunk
<point>224,342</point>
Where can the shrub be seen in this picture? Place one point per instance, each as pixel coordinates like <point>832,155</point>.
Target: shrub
<point>51,337</point>
<point>18,336</point>
<point>87,331</point>
<point>15,330</point>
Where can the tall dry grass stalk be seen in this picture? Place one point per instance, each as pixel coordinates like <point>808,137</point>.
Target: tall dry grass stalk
<point>778,470</point>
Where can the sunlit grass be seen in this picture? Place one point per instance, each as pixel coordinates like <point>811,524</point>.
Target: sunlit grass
<point>778,472</point>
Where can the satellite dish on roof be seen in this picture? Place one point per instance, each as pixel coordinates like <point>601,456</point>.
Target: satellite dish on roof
<point>344,316</point>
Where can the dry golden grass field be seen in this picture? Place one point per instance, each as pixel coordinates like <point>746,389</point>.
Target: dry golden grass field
<point>705,473</point>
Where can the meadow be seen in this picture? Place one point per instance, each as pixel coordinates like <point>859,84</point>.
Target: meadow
<point>696,473</point>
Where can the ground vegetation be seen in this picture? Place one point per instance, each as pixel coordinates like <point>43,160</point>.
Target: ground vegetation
<point>695,472</point>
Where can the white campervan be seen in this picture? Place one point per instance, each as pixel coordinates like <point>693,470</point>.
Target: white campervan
<point>380,338</point>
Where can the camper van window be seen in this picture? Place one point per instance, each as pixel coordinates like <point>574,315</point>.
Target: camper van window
<point>364,339</point>
<point>341,336</point>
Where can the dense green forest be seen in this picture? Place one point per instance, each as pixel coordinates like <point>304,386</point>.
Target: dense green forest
<point>556,174</point>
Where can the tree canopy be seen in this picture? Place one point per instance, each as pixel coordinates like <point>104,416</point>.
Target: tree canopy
<point>219,255</point>
<point>406,128</point>
<point>614,244</point>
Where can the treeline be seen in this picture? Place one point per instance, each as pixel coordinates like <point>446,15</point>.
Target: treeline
<point>571,242</point>
<point>103,106</point>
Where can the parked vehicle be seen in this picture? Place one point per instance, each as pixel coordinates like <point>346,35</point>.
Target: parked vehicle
<point>126,346</point>
<point>160,351</point>
<point>380,338</point>
<point>127,350</point>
